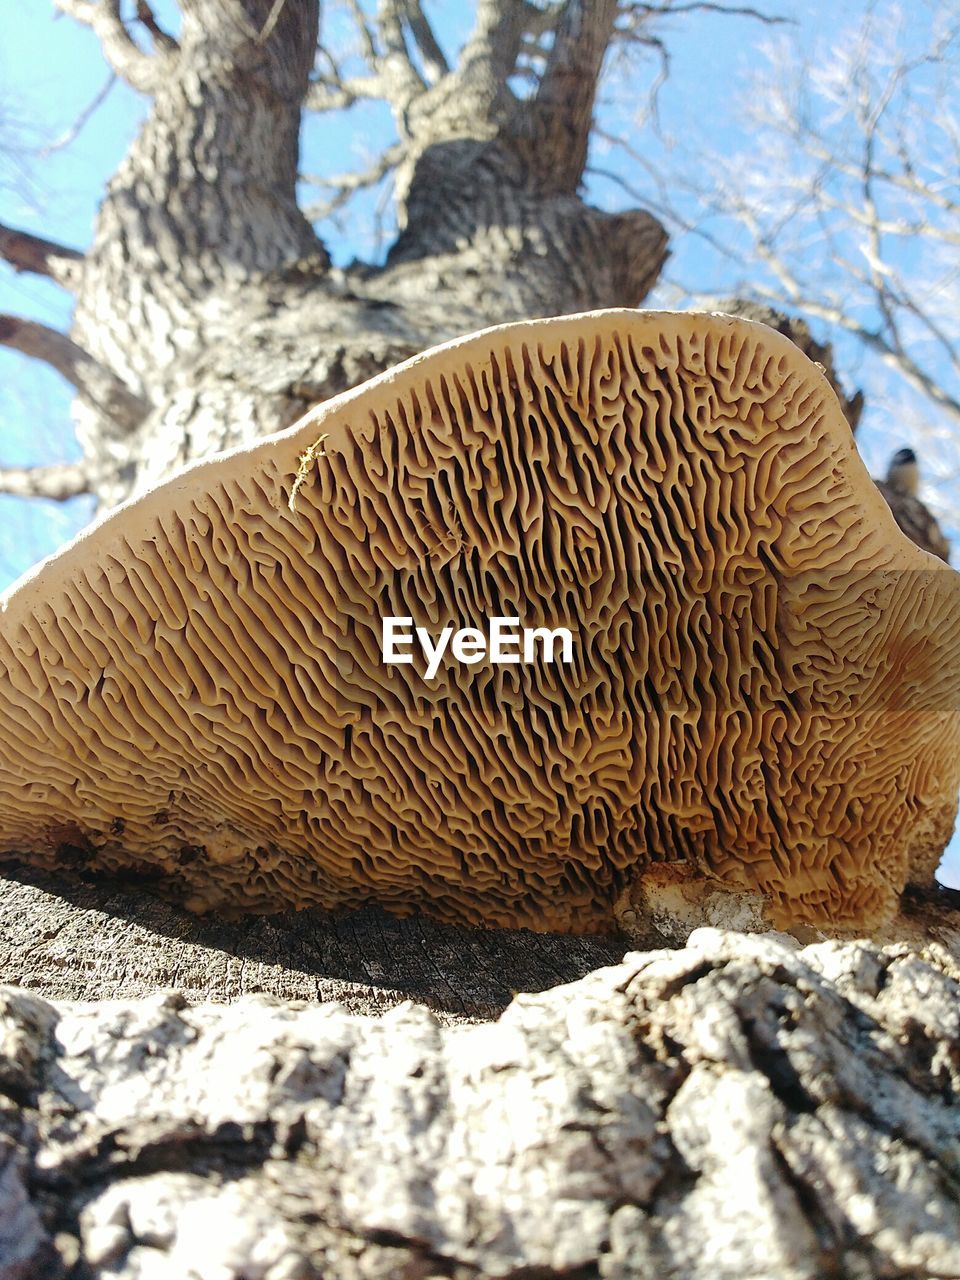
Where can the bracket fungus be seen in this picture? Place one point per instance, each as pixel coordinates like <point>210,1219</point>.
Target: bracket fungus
<point>763,694</point>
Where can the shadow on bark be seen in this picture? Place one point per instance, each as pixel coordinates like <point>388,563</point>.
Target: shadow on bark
<point>91,938</point>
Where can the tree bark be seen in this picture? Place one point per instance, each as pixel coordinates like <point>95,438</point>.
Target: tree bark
<point>206,291</point>
<point>737,1110</point>
<point>97,939</point>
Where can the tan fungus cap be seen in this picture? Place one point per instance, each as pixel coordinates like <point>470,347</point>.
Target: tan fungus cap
<point>764,686</point>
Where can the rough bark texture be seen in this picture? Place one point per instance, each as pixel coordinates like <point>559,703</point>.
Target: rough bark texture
<point>208,293</point>
<point>90,941</point>
<point>736,1110</point>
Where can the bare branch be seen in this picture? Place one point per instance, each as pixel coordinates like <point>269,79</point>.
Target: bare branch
<point>890,226</point>
<point>489,58</point>
<point>618,180</point>
<point>344,185</point>
<point>395,77</point>
<point>396,65</point>
<point>667,10</point>
<point>371,52</point>
<point>273,17</point>
<point>26,252</point>
<point>557,123</point>
<point>908,181</point>
<point>59,481</point>
<point>97,384</point>
<point>844,207</point>
<point>648,41</point>
<point>161,40</point>
<point>328,93</point>
<point>434,61</point>
<point>142,71</point>
<point>78,125</point>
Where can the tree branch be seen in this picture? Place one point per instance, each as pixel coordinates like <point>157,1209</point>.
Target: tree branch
<point>394,77</point>
<point>161,39</point>
<point>875,197</point>
<point>59,482</point>
<point>390,15</point>
<point>97,384</point>
<point>330,93</point>
<point>26,252</point>
<point>396,67</point>
<point>343,185</point>
<point>142,71</point>
<point>556,125</point>
<point>370,51</point>
<point>434,61</point>
<point>490,55</point>
<point>643,11</point>
<point>82,119</point>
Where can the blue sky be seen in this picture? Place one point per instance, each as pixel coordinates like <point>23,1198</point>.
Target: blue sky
<point>51,70</point>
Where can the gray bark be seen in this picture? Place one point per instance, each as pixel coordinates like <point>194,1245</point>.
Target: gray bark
<point>90,941</point>
<point>210,296</point>
<point>737,1110</point>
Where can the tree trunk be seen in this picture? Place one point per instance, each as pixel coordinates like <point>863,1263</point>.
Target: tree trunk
<point>209,294</point>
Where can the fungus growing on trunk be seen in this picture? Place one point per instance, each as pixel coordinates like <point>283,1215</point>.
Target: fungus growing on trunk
<point>763,691</point>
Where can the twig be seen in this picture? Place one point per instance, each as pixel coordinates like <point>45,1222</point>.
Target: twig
<point>344,185</point>
<point>332,94</point>
<point>667,10</point>
<point>75,129</point>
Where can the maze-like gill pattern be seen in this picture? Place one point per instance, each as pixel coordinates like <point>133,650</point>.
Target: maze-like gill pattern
<point>765,676</point>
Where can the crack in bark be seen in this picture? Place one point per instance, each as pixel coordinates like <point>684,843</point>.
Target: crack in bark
<point>558,1141</point>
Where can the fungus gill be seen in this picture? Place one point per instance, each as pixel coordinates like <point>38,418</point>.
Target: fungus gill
<point>763,692</point>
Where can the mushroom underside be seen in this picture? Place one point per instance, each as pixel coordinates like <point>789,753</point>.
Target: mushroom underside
<point>761,690</point>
